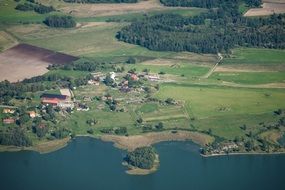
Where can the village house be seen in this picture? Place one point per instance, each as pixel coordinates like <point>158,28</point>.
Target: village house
<point>8,120</point>
<point>32,114</point>
<point>112,75</point>
<point>134,77</point>
<point>153,78</point>
<point>8,110</point>
<point>62,101</point>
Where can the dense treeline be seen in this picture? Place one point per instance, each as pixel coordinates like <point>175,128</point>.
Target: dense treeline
<point>218,30</point>
<point>143,157</point>
<point>101,1</point>
<point>208,3</point>
<point>14,136</point>
<point>57,21</point>
<point>18,90</point>
<point>39,8</point>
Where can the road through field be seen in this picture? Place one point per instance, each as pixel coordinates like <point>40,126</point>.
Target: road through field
<point>207,75</point>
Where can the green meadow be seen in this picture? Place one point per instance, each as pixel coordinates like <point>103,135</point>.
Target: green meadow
<point>250,77</point>
<point>255,56</point>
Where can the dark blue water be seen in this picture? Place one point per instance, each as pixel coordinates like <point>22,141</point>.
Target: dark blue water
<point>90,164</point>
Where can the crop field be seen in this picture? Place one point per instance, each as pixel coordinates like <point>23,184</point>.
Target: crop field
<point>267,9</point>
<point>25,61</point>
<point>109,9</point>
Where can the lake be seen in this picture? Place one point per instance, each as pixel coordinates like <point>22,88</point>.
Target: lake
<point>90,164</point>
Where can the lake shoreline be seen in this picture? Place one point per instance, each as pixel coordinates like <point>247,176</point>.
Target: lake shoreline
<point>130,143</point>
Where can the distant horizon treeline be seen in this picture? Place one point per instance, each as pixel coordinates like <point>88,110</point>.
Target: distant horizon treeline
<point>101,1</point>
<point>218,30</point>
<point>207,3</point>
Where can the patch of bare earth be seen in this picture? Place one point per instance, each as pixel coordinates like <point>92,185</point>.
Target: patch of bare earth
<point>108,9</point>
<point>26,61</point>
<point>267,9</point>
<point>135,141</point>
<point>93,24</point>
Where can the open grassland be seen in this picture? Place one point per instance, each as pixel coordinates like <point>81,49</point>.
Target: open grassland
<point>6,41</point>
<point>250,77</point>
<point>9,15</point>
<point>172,67</point>
<point>96,40</point>
<point>256,56</point>
<point>225,109</point>
<point>214,101</point>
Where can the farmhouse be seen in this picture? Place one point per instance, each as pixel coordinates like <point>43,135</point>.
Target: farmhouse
<point>32,114</point>
<point>62,101</point>
<point>8,110</point>
<point>8,120</point>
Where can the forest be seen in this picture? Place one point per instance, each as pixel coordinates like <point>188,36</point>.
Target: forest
<point>60,21</point>
<point>101,1</point>
<point>218,30</point>
<point>207,3</point>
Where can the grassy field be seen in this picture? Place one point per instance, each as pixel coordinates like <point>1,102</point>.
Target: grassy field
<point>9,15</point>
<point>250,77</point>
<point>219,108</point>
<point>256,56</point>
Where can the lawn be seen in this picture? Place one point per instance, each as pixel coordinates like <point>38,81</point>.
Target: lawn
<point>260,56</point>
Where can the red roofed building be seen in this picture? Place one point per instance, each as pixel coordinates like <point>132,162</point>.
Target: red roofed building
<point>8,120</point>
<point>53,99</point>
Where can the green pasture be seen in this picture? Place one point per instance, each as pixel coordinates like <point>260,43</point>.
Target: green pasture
<point>260,56</point>
<point>250,77</point>
<point>206,102</point>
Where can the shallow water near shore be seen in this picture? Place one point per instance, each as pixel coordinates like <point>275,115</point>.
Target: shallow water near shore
<point>87,163</point>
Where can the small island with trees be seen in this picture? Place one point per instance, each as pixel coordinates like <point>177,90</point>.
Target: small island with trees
<point>141,161</point>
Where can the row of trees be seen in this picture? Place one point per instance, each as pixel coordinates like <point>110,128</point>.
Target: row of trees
<point>39,8</point>
<point>101,1</point>
<point>57,21</point>
<point>218,30</point>
<point>18,90</point>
